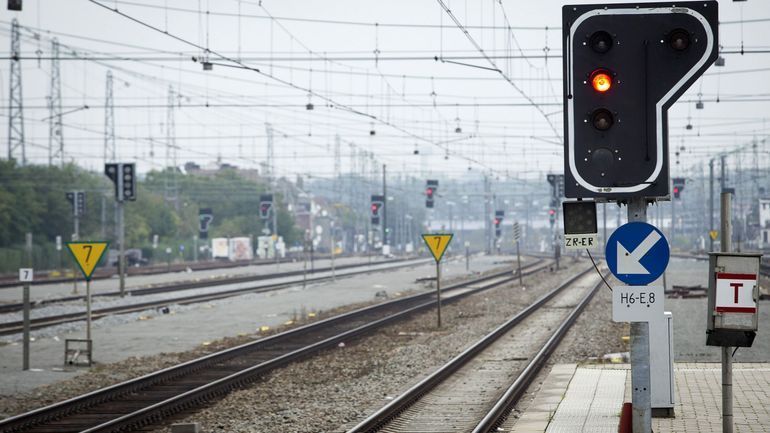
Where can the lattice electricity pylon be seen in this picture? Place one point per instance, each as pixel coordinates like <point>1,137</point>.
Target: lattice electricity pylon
<point>15,105</point>
<point>55,130</point>
<point>109,122</point>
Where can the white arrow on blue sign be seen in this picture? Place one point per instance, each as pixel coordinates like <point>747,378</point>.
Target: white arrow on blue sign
<point>637,253</point>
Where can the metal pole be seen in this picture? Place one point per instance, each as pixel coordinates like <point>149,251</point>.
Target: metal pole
<point>25,362</point>
<point>75,237</point>
<point>673,220</point>
<point>711,204</point>
<point>438,292</point>
<point>88,309</point>
<point>274,210</point>
<point>467,259</point>
<point>26,324</point>
<point>604,222</point>
<point>195,248</point>
<point>331,249</point>
<point>384,205</point>
<point>304,266</point>
<point>727,359</point>
<point>518,260</point>
<point>640,349</point>
<point>122,249</point>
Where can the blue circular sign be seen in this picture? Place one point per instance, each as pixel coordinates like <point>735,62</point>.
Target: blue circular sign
<point>637,253</point>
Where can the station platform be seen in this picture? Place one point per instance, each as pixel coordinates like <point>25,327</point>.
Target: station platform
<point>588,398</point>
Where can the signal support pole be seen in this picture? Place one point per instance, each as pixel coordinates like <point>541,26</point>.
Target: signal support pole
<point>711,204</point>
<point>121,248</point>
<point>438,293</point>
<point>25,320</point>
<point>518,261</point>
<point>727,359</point>
<point>640,349</point>
<point>75,237</point>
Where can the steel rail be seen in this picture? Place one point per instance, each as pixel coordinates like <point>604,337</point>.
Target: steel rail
<point>16,327</point>
<point>395,407</point>
<point>502,408</point>
<point>186,285</point>
<point>156,411</point>
<point>9,281</point>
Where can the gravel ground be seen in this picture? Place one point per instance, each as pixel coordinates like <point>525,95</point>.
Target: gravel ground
<point>103,375</point>
<point>594,334</point>
<point>334,389</point>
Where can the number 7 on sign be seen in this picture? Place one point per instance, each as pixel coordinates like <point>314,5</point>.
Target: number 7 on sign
<point>437,243</point>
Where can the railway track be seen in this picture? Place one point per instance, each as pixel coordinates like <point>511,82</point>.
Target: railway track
<point>475,391</point>
<point>149,399</point>
<point>43,277</point>
<point>187,285</point>
<point>16,327</point>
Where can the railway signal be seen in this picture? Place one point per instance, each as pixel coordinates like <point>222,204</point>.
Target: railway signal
<point>430,192</point>
<point>624,66</point>
<point>377,202</point>
<point>678,187</point>
<point>78,201</point>
<point>552,217</point>
<point>265,205</point>
<point>205,218</point>
<point>499,216</point>
<point>123,176</point>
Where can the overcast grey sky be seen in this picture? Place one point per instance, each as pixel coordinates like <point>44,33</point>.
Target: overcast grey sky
<point>358,64</point>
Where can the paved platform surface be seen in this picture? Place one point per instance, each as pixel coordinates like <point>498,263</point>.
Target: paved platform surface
<point>589,399</point>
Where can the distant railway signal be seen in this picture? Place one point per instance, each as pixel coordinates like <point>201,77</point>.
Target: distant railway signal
<point>78,201</point>
<point>430,192</point>
<point>624,66</point>
<point>377,202</point>
<point>205,218</point>
<point>123,176</point>
<point>678,187</point>
<point>265,205</point>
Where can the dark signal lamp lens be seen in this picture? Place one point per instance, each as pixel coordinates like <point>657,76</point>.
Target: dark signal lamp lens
<point>679,40</point>
<point>600,42</point>
<point>602,119</point>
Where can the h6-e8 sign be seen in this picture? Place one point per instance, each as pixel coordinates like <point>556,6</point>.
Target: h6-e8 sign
<point>624,66</point>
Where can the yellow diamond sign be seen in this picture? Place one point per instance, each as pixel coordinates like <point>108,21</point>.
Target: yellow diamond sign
<point>714,234</point>
<point>87,255</point>
<point>437,243</point>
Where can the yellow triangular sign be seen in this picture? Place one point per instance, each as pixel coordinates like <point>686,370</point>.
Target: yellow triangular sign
<point>87,255</point>
<point>437,243</point>
<point>714,234</point>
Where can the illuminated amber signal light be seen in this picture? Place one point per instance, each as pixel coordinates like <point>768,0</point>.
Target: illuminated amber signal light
<point>601,80</point>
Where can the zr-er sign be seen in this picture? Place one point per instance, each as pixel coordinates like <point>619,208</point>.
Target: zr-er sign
<point>625,65</point>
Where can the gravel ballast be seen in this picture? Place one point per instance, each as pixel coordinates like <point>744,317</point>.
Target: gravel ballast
<point>334,390</point>
<point>330,391</point>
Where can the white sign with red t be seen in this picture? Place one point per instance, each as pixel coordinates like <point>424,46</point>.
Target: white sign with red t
<point>735,293</point>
